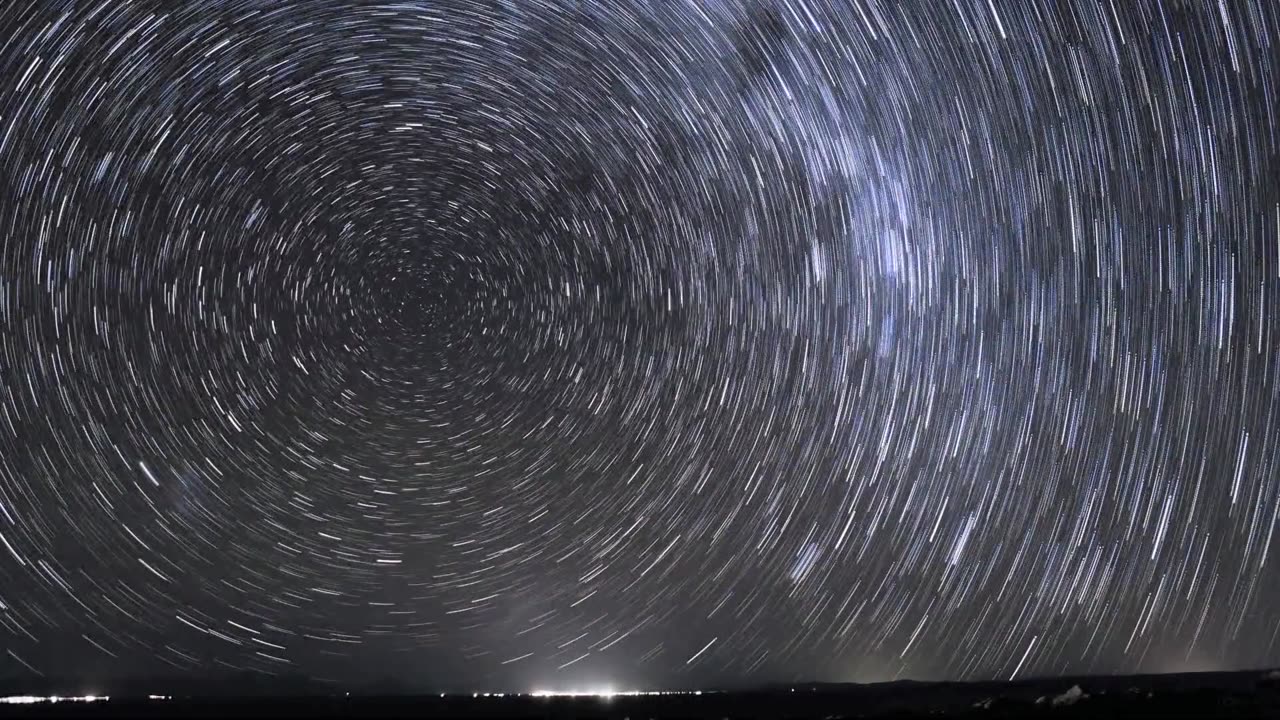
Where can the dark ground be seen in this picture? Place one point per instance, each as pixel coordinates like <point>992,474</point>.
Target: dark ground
<point>1214,695</point>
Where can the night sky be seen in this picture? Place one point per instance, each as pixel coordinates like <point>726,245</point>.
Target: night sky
<point>559,343</point>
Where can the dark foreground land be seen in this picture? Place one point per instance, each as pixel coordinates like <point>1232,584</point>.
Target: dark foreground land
<point>1200,695</point>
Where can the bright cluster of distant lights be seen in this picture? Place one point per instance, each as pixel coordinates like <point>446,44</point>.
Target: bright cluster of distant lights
<point>602,693</point>
<point>608,693</point>
<point>36,699</point>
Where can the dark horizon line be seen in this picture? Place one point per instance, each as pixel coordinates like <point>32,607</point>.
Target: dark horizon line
<point>393,688</point>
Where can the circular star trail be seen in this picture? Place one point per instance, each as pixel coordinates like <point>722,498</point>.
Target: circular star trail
<point>514,343</point>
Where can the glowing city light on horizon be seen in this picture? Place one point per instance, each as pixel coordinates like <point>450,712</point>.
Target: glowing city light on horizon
<point>608,693</point>
<point>35,699</point>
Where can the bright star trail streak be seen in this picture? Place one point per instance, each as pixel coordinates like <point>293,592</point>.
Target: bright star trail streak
<point>518,344</point>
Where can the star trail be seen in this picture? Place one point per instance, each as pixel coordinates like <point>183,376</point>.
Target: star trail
<point>548,343</point>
